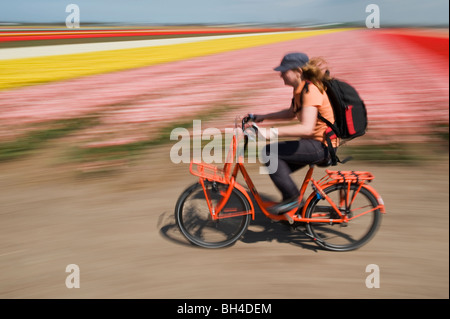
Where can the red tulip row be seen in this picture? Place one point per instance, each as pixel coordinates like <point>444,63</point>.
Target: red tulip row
<point>9,36</point>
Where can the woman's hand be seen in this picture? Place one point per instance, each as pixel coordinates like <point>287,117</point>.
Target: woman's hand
<point>258,118</point>
<point>254,118</point>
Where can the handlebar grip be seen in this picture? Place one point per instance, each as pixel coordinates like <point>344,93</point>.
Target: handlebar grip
<point>248,118</point>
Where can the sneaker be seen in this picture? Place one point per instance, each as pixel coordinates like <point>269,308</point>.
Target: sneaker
<point>284,206</point>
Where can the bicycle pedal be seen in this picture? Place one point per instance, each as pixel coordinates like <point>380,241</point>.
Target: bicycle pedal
<point>289,218</point>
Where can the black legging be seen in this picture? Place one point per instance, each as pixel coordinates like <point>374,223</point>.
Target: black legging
<point>291,156</point>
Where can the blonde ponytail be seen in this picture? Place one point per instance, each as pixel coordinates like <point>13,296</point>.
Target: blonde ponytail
<point>315,71</point>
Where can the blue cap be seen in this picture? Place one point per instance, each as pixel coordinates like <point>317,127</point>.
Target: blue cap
<point>292,61</point>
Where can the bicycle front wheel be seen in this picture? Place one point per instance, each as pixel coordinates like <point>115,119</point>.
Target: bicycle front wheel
<point>195,222</point>
<point>357,203</point>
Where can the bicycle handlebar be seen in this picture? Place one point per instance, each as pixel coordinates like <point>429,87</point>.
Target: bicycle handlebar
<point>250,118</point>
<point>245,120</point>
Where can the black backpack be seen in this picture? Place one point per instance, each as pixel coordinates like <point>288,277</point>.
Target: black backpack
<point>350,114</point>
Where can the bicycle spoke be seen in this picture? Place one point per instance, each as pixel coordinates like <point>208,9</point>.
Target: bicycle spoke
<point>354,202</point>
<point>195,220</point>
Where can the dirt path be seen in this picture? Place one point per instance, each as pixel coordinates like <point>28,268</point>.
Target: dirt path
<point>119,229</point>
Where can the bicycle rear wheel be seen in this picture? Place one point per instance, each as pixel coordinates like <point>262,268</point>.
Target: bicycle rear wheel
<point>353,202</point>
<point>195,222</point>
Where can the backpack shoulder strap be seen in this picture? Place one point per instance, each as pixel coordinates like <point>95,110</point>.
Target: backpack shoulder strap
<point>320,117</point>
<point>333,156</point>
<point>304,90</point>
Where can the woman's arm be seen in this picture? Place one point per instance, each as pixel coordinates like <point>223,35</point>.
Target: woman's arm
<point>303,129</point>
<point>286,114</point>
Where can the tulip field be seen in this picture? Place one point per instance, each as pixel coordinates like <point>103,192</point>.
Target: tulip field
<point>129,92</point>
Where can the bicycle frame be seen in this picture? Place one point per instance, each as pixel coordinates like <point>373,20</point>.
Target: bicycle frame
<point>228,176</point>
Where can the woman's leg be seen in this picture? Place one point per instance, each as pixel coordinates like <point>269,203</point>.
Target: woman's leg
<point>291,156</point>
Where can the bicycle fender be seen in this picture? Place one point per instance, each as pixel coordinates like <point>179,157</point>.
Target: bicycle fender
<point>368,187</point>
<point>377,196</point>
<point>244,192</point>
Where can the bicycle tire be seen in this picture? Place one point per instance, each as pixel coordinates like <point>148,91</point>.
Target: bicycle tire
<point>340,236</point>
<point>196,224</point>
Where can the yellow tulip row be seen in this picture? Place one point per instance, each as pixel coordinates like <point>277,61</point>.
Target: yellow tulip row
<point>31,71</point>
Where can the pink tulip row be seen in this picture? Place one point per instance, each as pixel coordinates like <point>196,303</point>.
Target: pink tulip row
<point>406,91</point>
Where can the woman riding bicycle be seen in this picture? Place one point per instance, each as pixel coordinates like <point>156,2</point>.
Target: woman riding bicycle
<point>310,146</point>
<point>216,211</point>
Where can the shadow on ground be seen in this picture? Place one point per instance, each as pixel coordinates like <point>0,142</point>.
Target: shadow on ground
<point>261,229</point>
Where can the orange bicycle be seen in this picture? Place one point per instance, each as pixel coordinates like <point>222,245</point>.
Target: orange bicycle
<point>342,213</point>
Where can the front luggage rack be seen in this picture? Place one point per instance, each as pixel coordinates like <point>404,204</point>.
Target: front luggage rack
<point>209,172</point>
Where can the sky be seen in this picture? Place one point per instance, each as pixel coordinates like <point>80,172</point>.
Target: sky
<point>397,12</point>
